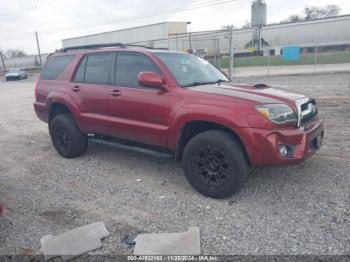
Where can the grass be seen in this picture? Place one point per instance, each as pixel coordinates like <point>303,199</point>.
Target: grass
<point>325,58</point>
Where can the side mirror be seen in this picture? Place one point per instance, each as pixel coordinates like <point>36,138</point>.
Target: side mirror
<point>150,79</point>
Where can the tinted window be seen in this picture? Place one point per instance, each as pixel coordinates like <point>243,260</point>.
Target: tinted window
<point>79,75</point>
<point>129,66</point>
<point>97,68</point>
<point>55,66</point>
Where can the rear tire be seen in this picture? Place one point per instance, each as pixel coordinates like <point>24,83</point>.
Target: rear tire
<point>66,136</point>
<point>215,164</point>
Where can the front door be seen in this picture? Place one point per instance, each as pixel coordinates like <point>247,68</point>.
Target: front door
<point>137,113</point>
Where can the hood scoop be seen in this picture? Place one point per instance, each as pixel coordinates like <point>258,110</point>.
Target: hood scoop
<point>261,86</point>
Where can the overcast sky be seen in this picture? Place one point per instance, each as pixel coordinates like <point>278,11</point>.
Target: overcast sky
<point>58,19</point>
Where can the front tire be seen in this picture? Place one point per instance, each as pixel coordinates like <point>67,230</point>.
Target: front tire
<point>215,164</point>
<point>66,136</point>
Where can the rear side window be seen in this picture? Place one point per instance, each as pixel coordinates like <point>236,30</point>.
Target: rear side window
<point>128,67</point>
<point>97,68</point>
<point>55,66</point>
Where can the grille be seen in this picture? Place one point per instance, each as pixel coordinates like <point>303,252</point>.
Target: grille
<point>307,110</point>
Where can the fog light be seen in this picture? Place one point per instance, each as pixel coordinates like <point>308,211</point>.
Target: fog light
<point>283,151</point>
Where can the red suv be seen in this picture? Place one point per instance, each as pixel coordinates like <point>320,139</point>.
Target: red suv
<point>176,101</point>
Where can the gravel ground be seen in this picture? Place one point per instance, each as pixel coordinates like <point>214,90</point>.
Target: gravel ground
<point>292,210</point>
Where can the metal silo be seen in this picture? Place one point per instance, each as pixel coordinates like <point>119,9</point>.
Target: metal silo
<point>258,20</point>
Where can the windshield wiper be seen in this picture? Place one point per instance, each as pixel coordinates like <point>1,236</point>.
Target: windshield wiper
<point>197,84</point>
<point>206,83</point>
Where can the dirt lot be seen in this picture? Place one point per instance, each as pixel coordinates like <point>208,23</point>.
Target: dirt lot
<point>303,209</point>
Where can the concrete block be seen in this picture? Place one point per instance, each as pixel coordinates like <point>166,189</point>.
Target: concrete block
<point>187,243</point>
<point>75,242</point>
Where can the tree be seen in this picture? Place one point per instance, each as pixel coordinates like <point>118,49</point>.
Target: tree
<point>227,27</point>
<point>13,53</point>
<point>315,12</point>
<point>292,19</point>
<point>246,25</point>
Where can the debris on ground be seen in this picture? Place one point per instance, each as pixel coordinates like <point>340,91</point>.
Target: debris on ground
<point>75,242</point>
<point>187,243</point>
<point>130,239</point>
<point>138,180</point>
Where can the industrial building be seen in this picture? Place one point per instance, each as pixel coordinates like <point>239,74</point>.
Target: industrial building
<point>326,33</point>
<point>145,34</point>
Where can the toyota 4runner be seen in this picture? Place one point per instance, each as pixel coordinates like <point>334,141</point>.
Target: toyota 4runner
<point>176,101</point>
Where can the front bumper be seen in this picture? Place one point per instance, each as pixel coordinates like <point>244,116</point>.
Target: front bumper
<point>263,145</point>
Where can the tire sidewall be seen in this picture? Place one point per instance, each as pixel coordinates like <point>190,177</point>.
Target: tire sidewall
<point>237,164</point>
<point>55,125</point>
<point>78,141</point>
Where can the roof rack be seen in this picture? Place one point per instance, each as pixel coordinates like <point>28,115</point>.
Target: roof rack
<point>63,50</point>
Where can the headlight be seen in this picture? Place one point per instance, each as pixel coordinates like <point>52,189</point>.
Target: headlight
<point>278,113</point>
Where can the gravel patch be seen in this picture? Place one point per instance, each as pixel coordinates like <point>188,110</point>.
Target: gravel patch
<point>297,210</point>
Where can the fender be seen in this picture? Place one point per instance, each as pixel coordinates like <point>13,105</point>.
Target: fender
<point>199,112</point>
<point>65,99</point>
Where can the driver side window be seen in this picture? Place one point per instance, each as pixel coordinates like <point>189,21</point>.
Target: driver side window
<point>128,66</point>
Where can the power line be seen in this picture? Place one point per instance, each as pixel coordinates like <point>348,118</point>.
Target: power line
<point>91,15</point>
<point>163,12</point>
<point>114,21</point>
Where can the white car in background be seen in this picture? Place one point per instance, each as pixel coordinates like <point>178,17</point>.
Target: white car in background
<point>16,74</point>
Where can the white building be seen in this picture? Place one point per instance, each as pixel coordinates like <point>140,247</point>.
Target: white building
<point>173,35</point>
<point>147,34</point>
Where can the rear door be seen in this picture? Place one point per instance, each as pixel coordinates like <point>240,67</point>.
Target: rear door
<point>137,113</point>
<point>89,89</point>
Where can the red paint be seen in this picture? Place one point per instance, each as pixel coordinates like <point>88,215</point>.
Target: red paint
<point>155,116</point>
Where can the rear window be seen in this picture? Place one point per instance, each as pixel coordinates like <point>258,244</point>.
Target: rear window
<point>55,66</point>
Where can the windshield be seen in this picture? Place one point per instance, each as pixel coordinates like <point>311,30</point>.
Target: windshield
<point>191,70</point>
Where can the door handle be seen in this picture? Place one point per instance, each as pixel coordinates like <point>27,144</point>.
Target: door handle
<point>76,88</point>
<point>115,92</point>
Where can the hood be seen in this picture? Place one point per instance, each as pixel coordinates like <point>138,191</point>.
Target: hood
<point>261,94</point>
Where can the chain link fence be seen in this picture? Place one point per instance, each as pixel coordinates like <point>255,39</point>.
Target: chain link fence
<point>226,50</point>
<point>29,63</point>
<point>231,51</point>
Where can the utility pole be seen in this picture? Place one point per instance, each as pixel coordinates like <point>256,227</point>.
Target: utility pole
<point>177,43</point>
<point>190,36</point>
<point>3,61</point>
<point>231,53</point>
<point>191,45</point>
<point>315,59</point>
<point>37,43</point>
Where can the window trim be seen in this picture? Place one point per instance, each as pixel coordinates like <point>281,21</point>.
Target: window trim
<point>77,69</point>
<point>138,54</point>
